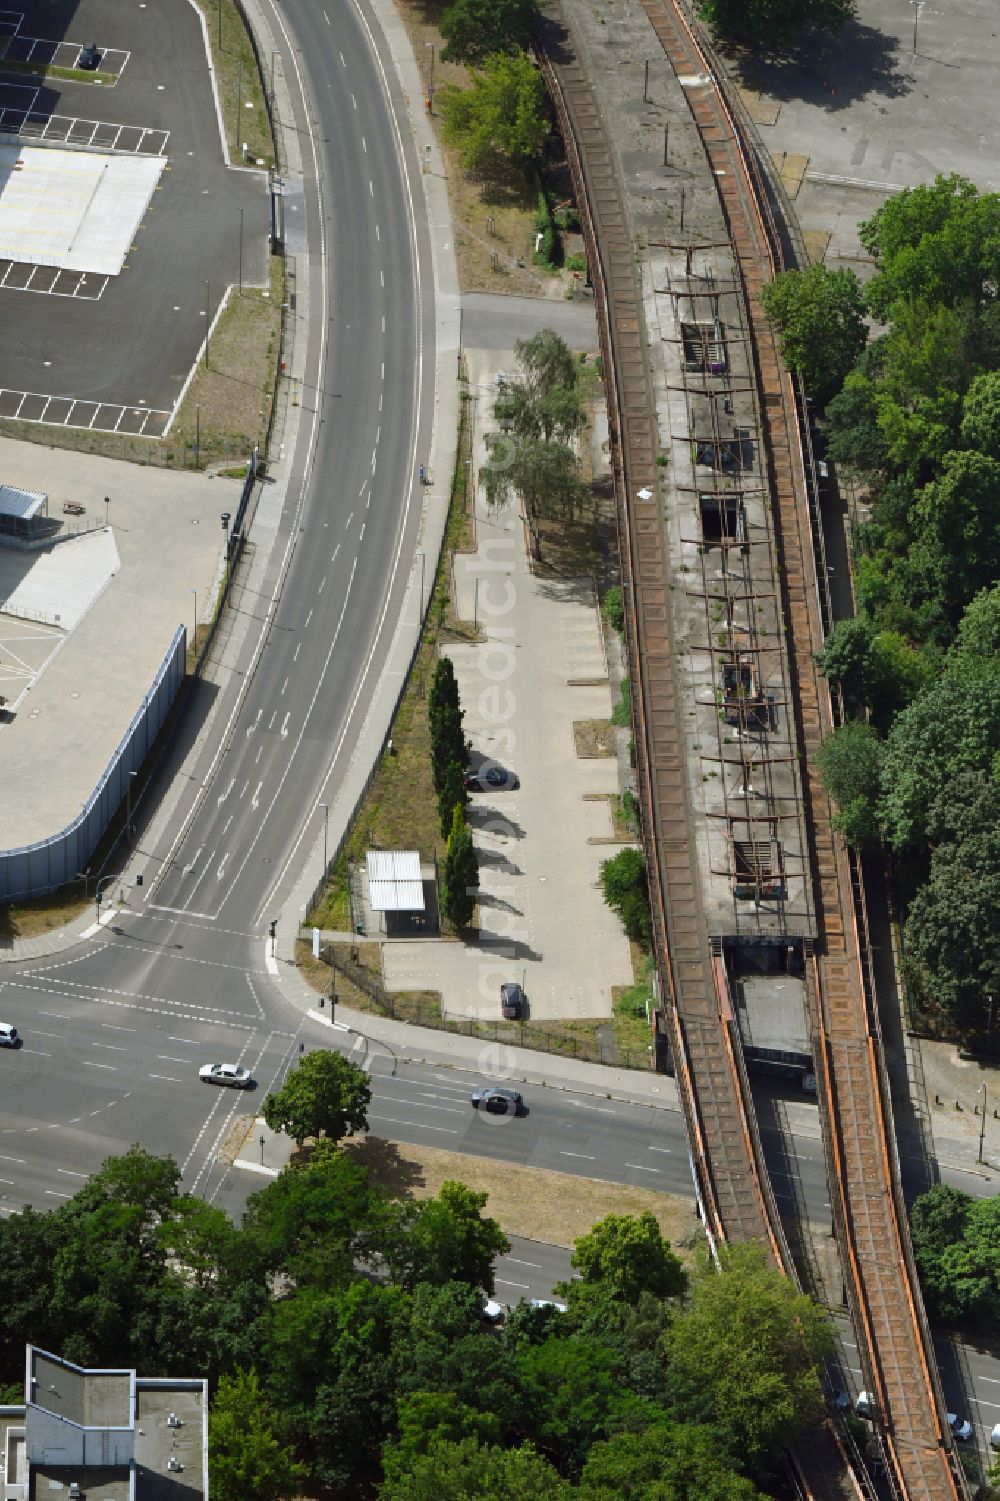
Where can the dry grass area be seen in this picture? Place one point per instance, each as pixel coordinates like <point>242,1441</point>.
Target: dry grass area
<point>594,739</point>
<point>43,914</point>
<point>492,219</point>
<point>241,92</point>
<point>556,1208</point>
<point>236,389</point>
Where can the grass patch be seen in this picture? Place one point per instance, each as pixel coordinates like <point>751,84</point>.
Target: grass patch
<point>71,75</point>
<point>536,1203</point>
<point>594,739</point>
<point>400,810</point>
<point>42,914</point>
<point>236,389</point>
<point>239,83</point>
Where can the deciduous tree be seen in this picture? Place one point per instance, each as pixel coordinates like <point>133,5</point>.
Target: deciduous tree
<point>627,1256</point>
<point>247,1458</point>
<point>774,23</point>
<point>500,120</point>
<point>475,29</point>
<point>850,762</point>
<point>819,317</point>
<point>461,879</point>
<point>326,1095</point>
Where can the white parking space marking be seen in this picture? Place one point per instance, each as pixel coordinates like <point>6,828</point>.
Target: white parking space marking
<point>80,412</point>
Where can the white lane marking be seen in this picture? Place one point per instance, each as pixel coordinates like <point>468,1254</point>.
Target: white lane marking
<point>252,727</point>
<point>307,620</point>
<point>342,59</point>
<point>640,1169</point>
<point>601,1109</point>
<point>585,1155</point>
<point>256,797</point>
<point>223,795</point>
<point>284,685</point>
<point>113,1027</point>
<point>38,1052</point>
<point>58,1016</point>
<point>391,1120</point>
<point>168,1077</point>
<point>113,1047</point>
<point>54,1193</point>
<point>403,520</point>
<point>383,323</point>
<point>270,962</point>
<point>87,1064</point>
<point>37,1032</point>
<point>322,585</point>
<point>381,277</point>
<point>326,18</point>
<point>377,234</point>
<point>516,1261</point>
<point>284,725</point>
<point>371,188</point>
<point>4,1158</point>
<point>295,654</point>
<point>354,101</point>
<point>364,144</point>
<point>502,1282</point>
<point>361,538</point>
<point>187,1041</point>
<point>256,759</point>
<point>222,865</point>
<point>169,1058</point>
<point>350,518</point>
<point>70,1173</point>
<point>665,1150</point>
<point>228,821</point>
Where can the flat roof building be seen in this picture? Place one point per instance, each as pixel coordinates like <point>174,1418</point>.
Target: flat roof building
<point>88,1434</point>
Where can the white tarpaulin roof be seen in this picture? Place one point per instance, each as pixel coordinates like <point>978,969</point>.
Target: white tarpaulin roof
<point>394,883</point>
<point>23,503</point>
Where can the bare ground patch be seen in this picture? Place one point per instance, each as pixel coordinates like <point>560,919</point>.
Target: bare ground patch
<point>594,739</point>
<point>556,1208</point>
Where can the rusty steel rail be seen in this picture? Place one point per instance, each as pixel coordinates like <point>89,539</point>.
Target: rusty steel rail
<point>733,1191</point>
<point>736,1200</point>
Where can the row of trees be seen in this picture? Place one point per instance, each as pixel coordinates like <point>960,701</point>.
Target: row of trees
<point>344,1336</point>
<point>774,23</point>
<point>500,122</point>
<point>917,423</point>
<point>449,755</point>
<point>532,457</point>
<point>956,1239</point>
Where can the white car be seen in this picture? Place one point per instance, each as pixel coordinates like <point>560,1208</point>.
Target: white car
<point>960,1427</point>
<point>995,1436</point>
<point>8,1035</point>
<point>226,1073</point>
<point>548,1303</point>
<point>864,1406</point>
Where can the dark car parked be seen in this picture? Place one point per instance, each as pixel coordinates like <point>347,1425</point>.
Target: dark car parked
<point>512,1001</point>
<point>497,1101</point>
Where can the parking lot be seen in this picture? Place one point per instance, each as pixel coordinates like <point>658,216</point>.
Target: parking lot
<point>104,351</point>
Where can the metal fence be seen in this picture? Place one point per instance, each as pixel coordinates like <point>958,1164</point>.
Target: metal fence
<point>541,1037</point>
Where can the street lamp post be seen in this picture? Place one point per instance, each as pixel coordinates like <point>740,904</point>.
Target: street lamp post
<point>208,319</point>
<point>421,556</point>
<point>430,86</point>
<point>982,1123</point>
<point>128,805</point>
<point>194,638</point>
<point>197,434</point>
<point>107,510</point>
<point>918,6</point>
<point>99,893</point>
<point>225,518</point>
<point>326,820</point>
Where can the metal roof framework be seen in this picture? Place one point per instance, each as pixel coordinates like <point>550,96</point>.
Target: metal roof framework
<point>24,504</point>
<point>394,881</point>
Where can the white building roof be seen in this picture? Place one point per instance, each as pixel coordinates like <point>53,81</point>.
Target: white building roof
<point>394,883</point>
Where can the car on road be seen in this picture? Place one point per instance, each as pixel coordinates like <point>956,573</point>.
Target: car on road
<point>548,1303</point>
<point>865,1405</point>
<point>8,1035</point>
<point>491,778</point>
<point>226,1073</point>
<point>497,1101</point>
<point>995,1436</point>
<point>960,1427</point>
<point>90,58</point>
<point>493,1312</point>
<point>512,1001</point>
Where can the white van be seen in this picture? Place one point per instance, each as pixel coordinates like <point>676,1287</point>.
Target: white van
<point>8,1035</point>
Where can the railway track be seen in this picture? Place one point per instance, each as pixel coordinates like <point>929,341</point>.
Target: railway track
<point>733,1189</point>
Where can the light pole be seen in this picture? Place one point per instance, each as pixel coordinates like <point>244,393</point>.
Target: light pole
<point>197,434</point>
<point>225,518</point>
<point>918,6</point>
<point>107,510</point>
<point>241,252</point>
<point>326,820</point>
<point>194,638</point>
<point>430,86</point>
<point>99,894</point>
<point>128,806</point>
<point>420,555</point>
<point>982,1123</point>
<point>208,318</point>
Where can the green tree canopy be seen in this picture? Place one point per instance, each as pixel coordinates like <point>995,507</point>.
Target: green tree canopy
<point>441,1240</point>
<point>744,1357</point>
<point>850,763</point>
<point>475,29</point>
<point>626,891</point>
<point>467,1471</point>
<point>326,1095</point>
<point>981,414</point>
<point>953,923</point>
<point>958,520</point>
<point>461,879</point>
<point>448,744</point>
<point>247,1460</point>
<point>774,23</point>
<point>665,1461</point>
<point>309,1221</point>
<point>957,1243</point>
<point>500,120</point>
<point>818,315</point>
<point>627,1256</point>
<point>572,1397</point>
<point>952,726</point>
<point>546,475</point>
<point>939,242</point>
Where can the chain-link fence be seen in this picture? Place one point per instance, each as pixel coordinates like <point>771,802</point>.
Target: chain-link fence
<point>425,1011</point>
